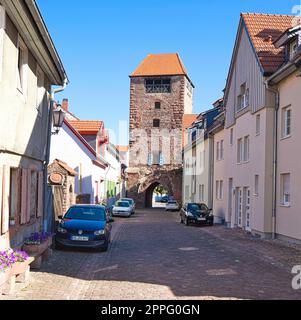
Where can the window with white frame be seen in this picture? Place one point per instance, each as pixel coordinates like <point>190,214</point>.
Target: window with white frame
<point>231,136</point>
<point>219,190</point>
<point>202,192</point>
<point>217,151</point>
<point>22,65</point>
<point>246,152</point>
<point>286,122</point>
<point>256,185</point>
<point>220,150</point>
<point>258,125</point>
<point>40,90</point>
<point>2,28</point>
<point>293,48</point>
<point>285,189</point>
<point>239,151</point>
<point>243,98</point>
<point>243,150</point>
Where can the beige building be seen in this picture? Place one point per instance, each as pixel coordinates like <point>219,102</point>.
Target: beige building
<point>287,82</point>
<point>249,135</point>
<point>29,65</point>
<point>217,134</point>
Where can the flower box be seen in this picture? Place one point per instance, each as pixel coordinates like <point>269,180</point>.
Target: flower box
<point>5,275</point>
<point>21,267</point>
<point>37,249</point>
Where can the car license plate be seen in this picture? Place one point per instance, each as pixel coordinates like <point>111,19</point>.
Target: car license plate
<point>201,219</point>
<point>78,238</point>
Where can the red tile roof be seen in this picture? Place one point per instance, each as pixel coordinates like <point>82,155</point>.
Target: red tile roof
<point>85,126</point>
<point>263,30</point>
<point>160,65</point>
<point>188,120</point>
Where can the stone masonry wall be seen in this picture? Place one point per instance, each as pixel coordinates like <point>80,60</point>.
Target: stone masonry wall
<point>146,140</point>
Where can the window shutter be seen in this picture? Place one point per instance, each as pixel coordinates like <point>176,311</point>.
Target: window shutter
<point>5,199</point>
<point>23,196</point>
<point>28,195</point>
<point>1,179</point>
<point>40,194</point>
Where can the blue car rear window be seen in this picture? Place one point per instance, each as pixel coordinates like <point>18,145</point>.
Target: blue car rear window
<point>86,213</point>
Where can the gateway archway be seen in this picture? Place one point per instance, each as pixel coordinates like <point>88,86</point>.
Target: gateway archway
<point>155,194</point>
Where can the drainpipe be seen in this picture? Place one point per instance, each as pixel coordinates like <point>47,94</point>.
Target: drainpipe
<point>47,156</point>
<point>275,158</point>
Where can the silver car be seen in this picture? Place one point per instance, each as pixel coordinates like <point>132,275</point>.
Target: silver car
<point>131,202</point>
<point>172,205</point>
<point>122,209</point>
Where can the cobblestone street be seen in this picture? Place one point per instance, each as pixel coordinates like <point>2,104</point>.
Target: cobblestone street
<point>153,256</point>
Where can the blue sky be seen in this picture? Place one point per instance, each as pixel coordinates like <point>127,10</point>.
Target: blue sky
<point>102,42</point>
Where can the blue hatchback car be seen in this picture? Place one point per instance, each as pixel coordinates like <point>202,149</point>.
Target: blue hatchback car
<point>84,226</point>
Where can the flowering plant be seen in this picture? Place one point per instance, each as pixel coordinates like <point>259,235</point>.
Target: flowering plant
<point>9,257</point>
<point>38,238</point>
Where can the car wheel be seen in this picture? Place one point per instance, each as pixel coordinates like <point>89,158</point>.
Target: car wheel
<point>58,246</point>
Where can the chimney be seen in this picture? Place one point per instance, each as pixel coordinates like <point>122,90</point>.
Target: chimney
<point>65,105</point>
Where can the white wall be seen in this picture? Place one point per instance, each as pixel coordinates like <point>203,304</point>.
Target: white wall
<point>66,147</point>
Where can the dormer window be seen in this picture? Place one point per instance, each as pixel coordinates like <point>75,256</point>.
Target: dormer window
<point>243,98</point>
<point>293,47</point>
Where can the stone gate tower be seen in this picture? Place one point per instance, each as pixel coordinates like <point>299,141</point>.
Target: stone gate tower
<point>161,94</point>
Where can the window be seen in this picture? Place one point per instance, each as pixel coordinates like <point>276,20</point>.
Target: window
<point>286,122</point>
<point>293,48</point>
<point>161,159</point>
<point>285,190</point>
<point>15,193</point>
<point>158,105</point>
<point>202,192</point>
<point>256,185</point>
<point>22,66</point>
<point>156,123</point>
<point>217,151</point>
<point>2,28</point>
<point>243,98</point>
<point>40,90</point>
<point>222,150</point>
<point>150,159</point>
<point>246,149</point>
<point>158,86</point>
<point>258,125</point>
<point>239,151</point>
<point>231,136</point>
<point>219,192</point>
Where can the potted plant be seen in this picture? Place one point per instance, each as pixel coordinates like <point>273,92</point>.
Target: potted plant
<point>21,262</point>
<point>5,267</point>
<point>37,243</point>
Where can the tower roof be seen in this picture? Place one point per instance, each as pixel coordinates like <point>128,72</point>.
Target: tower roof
<point>168,64</point>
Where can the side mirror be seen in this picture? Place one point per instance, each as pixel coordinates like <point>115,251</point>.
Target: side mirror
<point>61,217</point>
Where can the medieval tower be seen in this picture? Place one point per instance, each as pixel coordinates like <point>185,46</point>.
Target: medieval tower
<point>161,93</point>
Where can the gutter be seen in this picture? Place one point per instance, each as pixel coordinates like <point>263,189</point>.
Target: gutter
<point>275,158</point>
